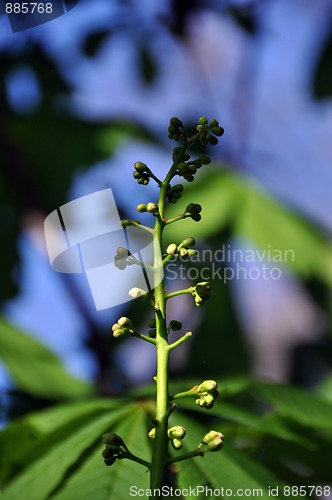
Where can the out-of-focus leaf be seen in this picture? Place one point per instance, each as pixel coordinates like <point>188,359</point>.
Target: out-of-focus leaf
<point>147,65</point>
<point>296,404</point>
<point>231,200</point>
<point>93,42</point>
<point>34,368</point>
<point>322,78</point>
<point>228,467</point>
<point>103,483</point>
<point>46,474</point>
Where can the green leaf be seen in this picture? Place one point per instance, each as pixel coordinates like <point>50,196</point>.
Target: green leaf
<point>43,476</point>
<point>231,200</point>
<point>296,404</point>
<point>227,468</point>
<point>32,436</point>
<point>103,483</point>
<point>34,368</point>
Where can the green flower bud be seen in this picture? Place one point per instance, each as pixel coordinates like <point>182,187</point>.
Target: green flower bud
<point>176,152</point>
<point>192,169</point>
<point>172,249</point>
<point>213,140</point>
<point>186,156</point>
<point>215,445</point>
<point>108,452</point>
<point>136,175</point>
<point>177,432</point>
<point>152,208</point>
<point>192,252</point>
<point>205,160</point>
<point>122,252</point>
<point>176,443</point>
<point>116,326</point>
<point>193,208</point>
<point>203,120</point>
<point>119,332</point>
<point>152,333</point>
<point>140,167</point>
<point>152,323</point>
<point>219,131</point>
<point>210,436</point>
<point>123,321</point>
<point>112,439</point>
<point>178,188</point>
<point>142,207</point>
<point>152,433</point>
<point>175,326</point>
<point>109,461</point>
<point>183,252</point>
<point>189,177</point>
<point>214,123</point>
<point>196,217</point>
<point>175,122</point>
<point>208,386</point>
<point>188,242</point>
<point>182,168</point>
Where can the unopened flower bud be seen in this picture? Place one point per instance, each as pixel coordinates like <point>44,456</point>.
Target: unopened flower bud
<point>183,252</point>
<point>177,432</point>
<point>203,120</point>
<point>142,207</point>
<point>188,242</point>
<point>119,332</point>
<point>112,439</point>
<point>196,217</point>
<point>139,166</point>
<point>152,208</point>
<point>136,292</point>
<point>215,445</point>
<point>214,123</point>
<point>194,208</point>
<point>172,249</point>
<point>210,436</point>
<point>207,386</point>
<point>175,122</point>
<point>123,321</point>
<point>219,131</point>
<point>176,443</point>
<point>109,461</point>
<point>152,433</point>
<point>174,325</point>
<point>152,323</point>
<point>205,160</point>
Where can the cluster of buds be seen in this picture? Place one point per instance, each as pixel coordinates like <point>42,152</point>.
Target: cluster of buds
<point>201,292</point>
<point>173,194</point>
<point>175,129</point>
<point>194,210</point>
<point>208,132</point>
<point>208,393</point>
<point>188,169</point>
<point>213,441</point>
<point>175,435</point>
<point>148,207</point>
<point>141,173</point>
<point>122,327</point>
<point>123,258</point>
<point>184,249</point>
<point>114,449</point>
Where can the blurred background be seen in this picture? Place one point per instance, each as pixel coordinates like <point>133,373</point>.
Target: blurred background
<point>85,96</point>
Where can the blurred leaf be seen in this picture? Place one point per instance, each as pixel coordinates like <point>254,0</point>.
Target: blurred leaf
<point>101,482</point>
<point>322,78</point>
<point>228,467</point>
<point>34,368</point>
<point>43,476</point>
<point>230,200</point>
<point>92,43</point>
<point>147,65</point>
<point>296,404</point>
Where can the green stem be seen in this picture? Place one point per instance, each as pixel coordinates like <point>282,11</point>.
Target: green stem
<point>178,342</point>
<point>180,292</point>
<point>185,456</point>
<point>132,457</point>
